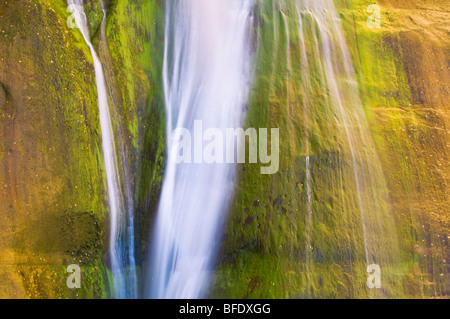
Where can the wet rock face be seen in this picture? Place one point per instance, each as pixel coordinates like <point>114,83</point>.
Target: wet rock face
<point>405,69</point>
<point>49,168</point>
<point>50,158</point>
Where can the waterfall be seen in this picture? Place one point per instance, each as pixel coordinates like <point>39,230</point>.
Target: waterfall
<point>333,49</point>
<point>206,76</point>
<point>121,242</point>
<point>329,90</point>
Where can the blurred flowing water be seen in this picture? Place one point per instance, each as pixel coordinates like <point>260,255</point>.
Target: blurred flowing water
<point>121,244</point>
<point>207,74</point>
<point>325,85</point>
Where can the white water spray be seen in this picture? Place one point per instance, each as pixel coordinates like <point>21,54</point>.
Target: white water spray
<point>207,78</point>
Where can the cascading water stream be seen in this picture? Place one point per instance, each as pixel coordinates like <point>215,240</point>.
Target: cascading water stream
<point>206,78</point>
<point>329,76</point>
<point>121,220</point>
